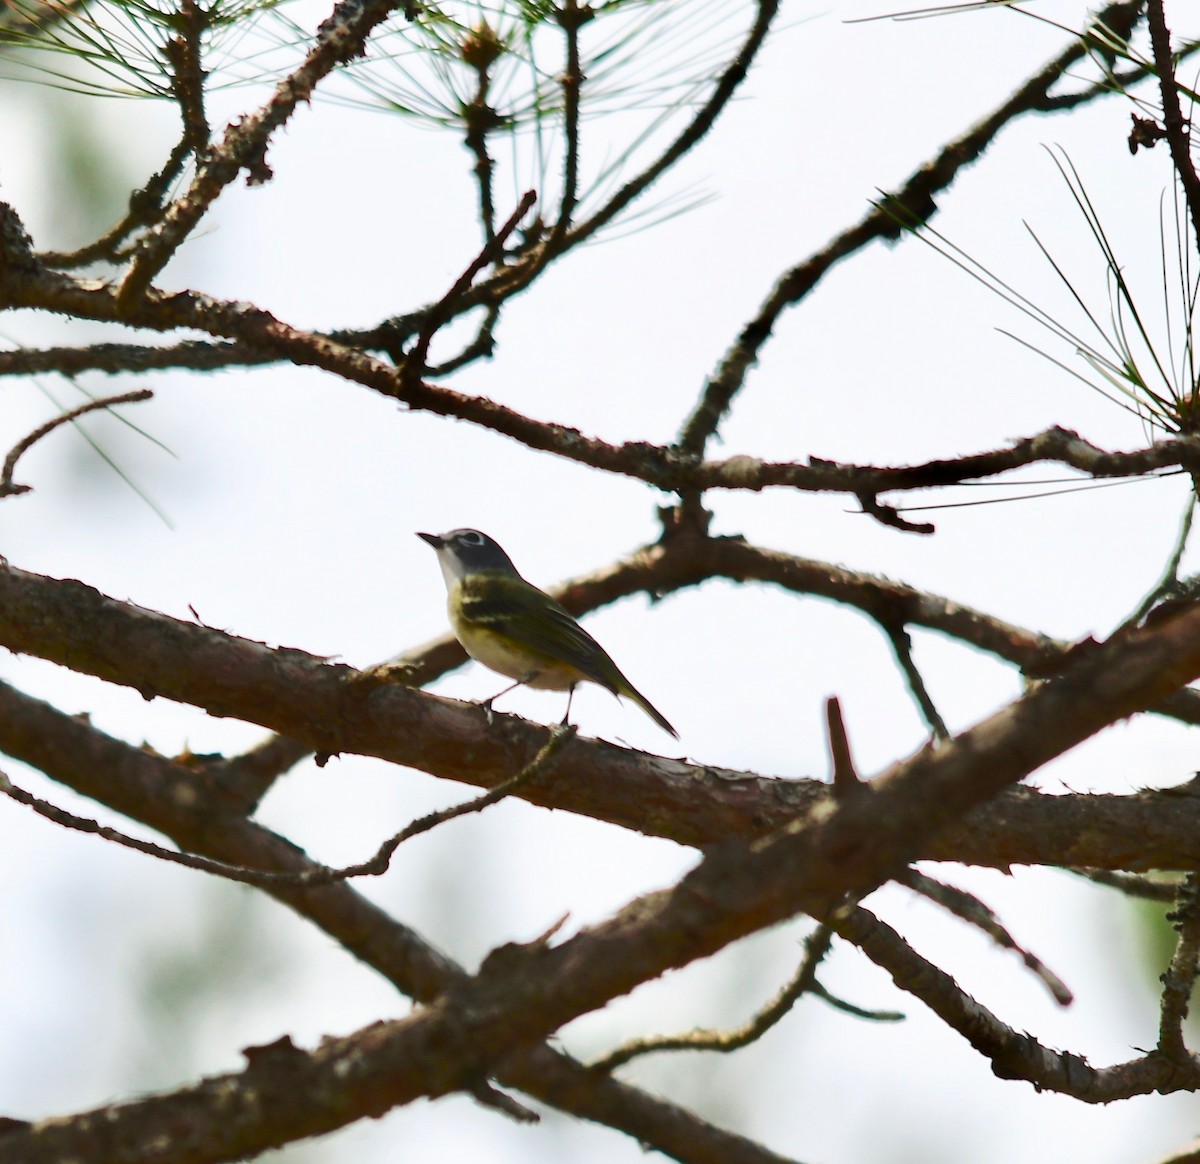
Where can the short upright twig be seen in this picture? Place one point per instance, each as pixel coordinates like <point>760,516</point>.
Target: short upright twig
<point>846,781</point>
<point>480,50</point>
<point>184,52</point>
<point>571,17</point>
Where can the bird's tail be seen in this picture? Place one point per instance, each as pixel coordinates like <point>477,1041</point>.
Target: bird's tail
<point>630,692</point>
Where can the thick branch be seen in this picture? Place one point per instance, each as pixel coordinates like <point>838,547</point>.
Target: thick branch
<point>333,708</point>
<point>196,812</point>
<point>523,994</point>
<point>257,331</point>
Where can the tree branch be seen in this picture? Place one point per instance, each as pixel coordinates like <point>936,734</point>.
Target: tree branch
<point>195,811</point>
<point>915,199</point>
<point>1012,1054</point>
<point>1178,137</point>
<point>331,708</point>
<point>524,993</point>
<point>318,874</point>
<point>816,946</point>
<point>664,468</point>
<point>340,38</point>
<point>1179,980</point>
<point>7,486</point>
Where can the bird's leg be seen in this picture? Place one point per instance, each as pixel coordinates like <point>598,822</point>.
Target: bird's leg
<point>486,704</point>
<point>570,696</point>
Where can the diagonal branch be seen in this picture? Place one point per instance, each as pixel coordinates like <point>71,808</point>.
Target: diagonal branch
<point>664,468</point>
<point>1013,1054</point>
<point>972,910</point>
<point>194,810</point>
<point>340,38</point>
<point>914,200</point>
<point>522,994</point>
<point>145,206</point>
<point>1176,126</point>
<point>415,363</point>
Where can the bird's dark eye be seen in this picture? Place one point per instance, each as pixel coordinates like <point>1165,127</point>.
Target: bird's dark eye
<point>471,537</point>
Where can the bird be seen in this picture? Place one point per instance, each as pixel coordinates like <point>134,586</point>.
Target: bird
<point>517,630</point>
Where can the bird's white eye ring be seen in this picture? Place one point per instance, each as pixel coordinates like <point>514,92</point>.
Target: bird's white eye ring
<point>471,537</point>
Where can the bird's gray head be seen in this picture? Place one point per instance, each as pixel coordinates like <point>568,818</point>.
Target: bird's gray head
<point>465,551</point>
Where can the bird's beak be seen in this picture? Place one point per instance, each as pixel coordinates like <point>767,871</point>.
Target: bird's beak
<point>435,540</point>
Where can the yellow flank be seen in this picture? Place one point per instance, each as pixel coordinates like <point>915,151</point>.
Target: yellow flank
<point>505,656</point>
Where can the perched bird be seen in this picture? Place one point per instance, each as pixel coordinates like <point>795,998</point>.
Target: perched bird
<point>514,628</point>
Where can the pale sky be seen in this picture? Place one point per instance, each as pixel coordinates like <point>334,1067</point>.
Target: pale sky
<point>294,499</point>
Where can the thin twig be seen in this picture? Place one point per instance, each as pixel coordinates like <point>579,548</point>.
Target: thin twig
<point>901,641</point>
<point>968,907</point>
<point>441,311</point>
<point>559,735</point>
<point>816,946</point>
<point>7,487</point>
<point>145,207</point>
<point>318,875</point>
<point>862,1012</point>
<point>889,515</point>
<point>481,347</point>
<point>1169,580</point>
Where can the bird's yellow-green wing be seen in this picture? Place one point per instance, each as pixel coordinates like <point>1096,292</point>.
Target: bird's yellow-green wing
<point>515,608</point>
